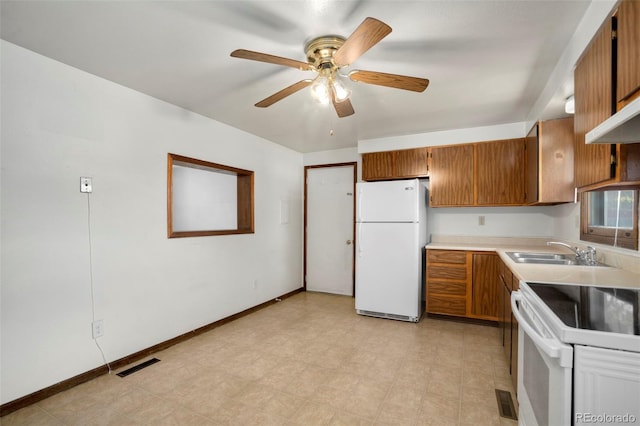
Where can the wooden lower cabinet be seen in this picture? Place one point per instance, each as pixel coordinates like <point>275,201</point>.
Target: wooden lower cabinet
<point>507,322</point>
<point>463,283</point>
<point>485,286</point>
<point>448,273</point>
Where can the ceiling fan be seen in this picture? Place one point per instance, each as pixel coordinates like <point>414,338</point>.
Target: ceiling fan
<point>326,55</point>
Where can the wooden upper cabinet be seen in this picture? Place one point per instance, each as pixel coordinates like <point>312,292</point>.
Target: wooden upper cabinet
<point>500,172</point>
<point>598,166</point>
<point>451,175</point>
<point>412,163</point>
<point>549,162</point>
<point>401,164</point>
<point>532,169</point>
<point>377,165</point>
<point>593,87</point>
<point>628,54</point>
<point>478,174</point>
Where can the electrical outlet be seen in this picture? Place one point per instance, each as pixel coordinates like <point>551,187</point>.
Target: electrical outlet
<point>85,184</point>
<point>481,220</point>
<point>97,329</point>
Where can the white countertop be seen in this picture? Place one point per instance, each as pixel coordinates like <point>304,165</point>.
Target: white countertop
<point>601,276</point>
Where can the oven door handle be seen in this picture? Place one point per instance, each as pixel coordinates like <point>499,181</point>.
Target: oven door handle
<point>552,347</point>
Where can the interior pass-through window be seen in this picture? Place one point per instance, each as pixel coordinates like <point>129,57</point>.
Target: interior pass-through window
<point>205,198</point>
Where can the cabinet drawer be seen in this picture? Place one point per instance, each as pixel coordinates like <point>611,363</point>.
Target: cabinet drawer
<point>446,305</point>
<point>447,288</point>
<point>446,256</point>
<point>447,272</point>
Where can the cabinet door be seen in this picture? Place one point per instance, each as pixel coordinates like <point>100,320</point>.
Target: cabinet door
<point>532,165</point>
<point>514,351</point>
<point>485,288</point>
<point>411,163</point>
<point>515,286</point>
<point>628,43</point>
<point>501,313</point>
<point>555,150</point>
<point>508,337</point>
<point>594,104</point>
<point>549,162</point>
<point>377,165</point>
<point>502,184</point>
<point>451,175</point>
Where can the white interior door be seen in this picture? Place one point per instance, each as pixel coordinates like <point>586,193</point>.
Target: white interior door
<point>329,234</point>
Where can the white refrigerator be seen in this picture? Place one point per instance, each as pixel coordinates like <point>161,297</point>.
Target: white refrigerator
<point>391,232</point>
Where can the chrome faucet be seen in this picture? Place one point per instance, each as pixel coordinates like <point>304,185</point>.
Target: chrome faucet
<point>587,256</point>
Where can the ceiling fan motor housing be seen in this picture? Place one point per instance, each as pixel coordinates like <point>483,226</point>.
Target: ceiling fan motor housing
<point>320,50</point>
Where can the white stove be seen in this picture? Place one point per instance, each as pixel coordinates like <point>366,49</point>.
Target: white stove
<point>578,354</point>
<point>585,315</point>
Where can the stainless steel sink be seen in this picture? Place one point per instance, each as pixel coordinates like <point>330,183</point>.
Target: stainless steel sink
<point>546,261</point>
<point>546,258</point>
<point>519,255</point>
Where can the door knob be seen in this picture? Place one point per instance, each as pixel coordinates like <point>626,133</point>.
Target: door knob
<point>349,242</point>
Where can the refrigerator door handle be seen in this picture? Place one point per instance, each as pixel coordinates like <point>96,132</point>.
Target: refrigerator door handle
<point>359,239</point>
<point>359,205</point>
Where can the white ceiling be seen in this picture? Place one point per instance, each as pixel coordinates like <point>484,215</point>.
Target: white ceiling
<point>487,61</point>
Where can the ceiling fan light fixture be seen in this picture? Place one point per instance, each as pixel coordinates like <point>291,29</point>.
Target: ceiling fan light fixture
<point>340,89</point>
<point>330,56</point>
<point>320,89</point>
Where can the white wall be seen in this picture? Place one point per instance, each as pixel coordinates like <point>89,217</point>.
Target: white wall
<point>335,156</point>
<point>58,124</point>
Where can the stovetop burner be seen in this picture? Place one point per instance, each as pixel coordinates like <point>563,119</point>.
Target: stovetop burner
<point>593,308</point>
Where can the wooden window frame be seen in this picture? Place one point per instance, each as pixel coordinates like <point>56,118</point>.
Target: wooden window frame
<point>245,198</point>
<point>627,239</point>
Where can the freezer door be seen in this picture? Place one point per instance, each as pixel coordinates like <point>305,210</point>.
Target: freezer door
<point>388,269</point>
<point>392,201</point>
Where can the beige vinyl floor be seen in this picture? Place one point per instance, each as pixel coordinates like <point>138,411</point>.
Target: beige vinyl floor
<point>308,360</point>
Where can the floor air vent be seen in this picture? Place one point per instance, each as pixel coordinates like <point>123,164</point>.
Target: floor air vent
<point>505,405</point>
<point>138,367</point>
